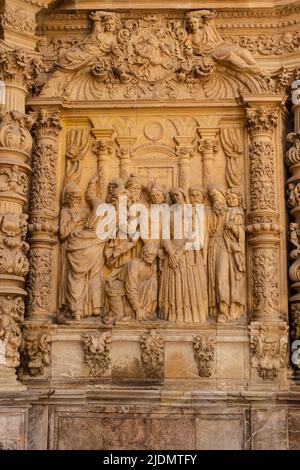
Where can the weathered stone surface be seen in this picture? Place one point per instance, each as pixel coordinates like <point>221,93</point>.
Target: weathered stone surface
<point>220,433</point>
<point>269,429</point>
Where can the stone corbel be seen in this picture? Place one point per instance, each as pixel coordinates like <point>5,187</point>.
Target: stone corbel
<point>124,152</point>
<point>184,151</point>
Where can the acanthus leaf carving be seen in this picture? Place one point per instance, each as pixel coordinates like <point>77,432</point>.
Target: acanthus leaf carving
<point>97,352</point>
<point>43,184</point>
<point>204,354</point>
<point>18,66</point>
<point>265,280</point>
<point>39,280</point>
<point>153,354</point>
<point>268,349</point>
<point>261,120</point>
<point>18,19</point>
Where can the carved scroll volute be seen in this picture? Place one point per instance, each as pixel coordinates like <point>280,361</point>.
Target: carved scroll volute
<point>184,151</point>
<point>124,153</point>
<point>103,148</point>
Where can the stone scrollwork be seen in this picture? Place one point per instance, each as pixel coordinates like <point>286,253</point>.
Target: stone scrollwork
<point>204,353</point>
<point>35,350</point>
<point>268,348</point>
<point>97,352</point>
<point>153,354</point>
<point>15,131</point>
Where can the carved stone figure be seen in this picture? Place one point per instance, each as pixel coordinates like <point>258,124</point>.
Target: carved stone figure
<point>132,289</point>
<point>11,316</point>
<point>84,285</point>
<point>182,290</point>
<point>226,256</point>
<point>14,180</point>
<point>207,42</point>
<point>35,351</point>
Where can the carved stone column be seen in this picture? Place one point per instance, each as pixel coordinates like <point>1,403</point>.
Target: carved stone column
<point>102,147</point>
<point>184,151</point>
<point>16,71</point>
<point>208,146</point>
<point>43,223</point>
<point>268,333</point>
<point>124,154</point>
<point>293,161</point>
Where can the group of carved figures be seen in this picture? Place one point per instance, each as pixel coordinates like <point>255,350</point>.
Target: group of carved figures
<point>154,278</point>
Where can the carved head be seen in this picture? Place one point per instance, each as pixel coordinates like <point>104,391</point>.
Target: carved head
<point>157,194</point>
<point>234,197</point>
<point>177,196</point>
<point>149,252</point>
<point>219,200</point>
<point>115,190</point>
<point>110,23</point>
<point>196,194</point>
<point>134,188</point>
<point>196,19</point>
<point>72,195</point>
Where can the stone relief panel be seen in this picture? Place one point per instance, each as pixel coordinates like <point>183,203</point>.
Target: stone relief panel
<point>152,56</point>
<point>152,160</point>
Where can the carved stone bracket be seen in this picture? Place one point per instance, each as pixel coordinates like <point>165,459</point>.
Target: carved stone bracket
<point>97,352</point>
<point>153,354</point>
<point>268,348</point>
<point>35,350</point>
<point>204,353</point>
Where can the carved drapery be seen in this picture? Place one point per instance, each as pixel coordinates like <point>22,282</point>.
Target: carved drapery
<point>233,147</point>
<point>43,222</point>
<point>77,144</point>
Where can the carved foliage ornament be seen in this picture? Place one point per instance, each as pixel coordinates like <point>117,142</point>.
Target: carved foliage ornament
<point>262,176</point>
<point>13,248</point>
<point>43,185</point>
<point>11,316</point>
<point>261,120</point>
<point>18,20</point>
<point>97,352</point>
<point>265,280</point>
<point>153,354</point>
<point>268,348</point>
<point>204,353</point>
<point>39,279</point>
<point>14,130</point>
<point>13,179</point>
<point>17,66</point>
<point>35,351</point>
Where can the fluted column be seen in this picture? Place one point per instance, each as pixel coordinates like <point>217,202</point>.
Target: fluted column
<point>124,154</point>
<point>184,151</point>
<point>43,222</point>
<point>208,146</point>
<point>268,328</point>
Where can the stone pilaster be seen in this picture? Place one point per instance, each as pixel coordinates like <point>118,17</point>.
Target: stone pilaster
<point>124,154</point>
<point>208,146</point>
<point>184,151</point>
<point>103,148</point>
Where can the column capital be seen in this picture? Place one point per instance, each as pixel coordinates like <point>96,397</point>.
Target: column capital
<point>261,120</point>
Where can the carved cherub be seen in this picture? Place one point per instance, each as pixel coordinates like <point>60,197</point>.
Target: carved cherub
<point>294,239</point>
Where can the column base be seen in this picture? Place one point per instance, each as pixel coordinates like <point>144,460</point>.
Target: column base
<point>9,382</point>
